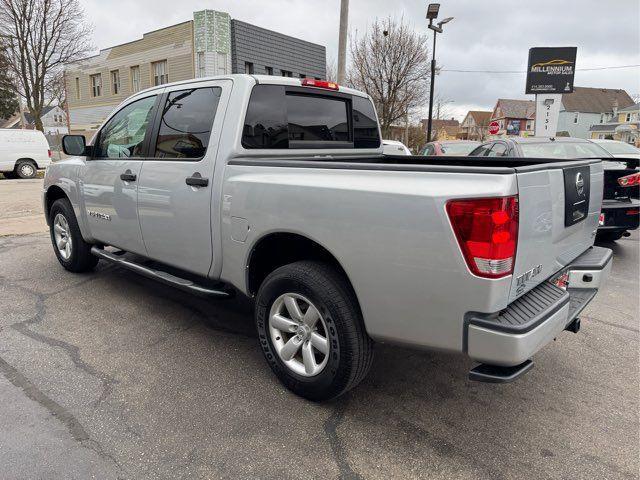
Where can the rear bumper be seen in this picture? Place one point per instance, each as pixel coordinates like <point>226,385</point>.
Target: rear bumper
<point>512,336</point>
<point>620,215</point>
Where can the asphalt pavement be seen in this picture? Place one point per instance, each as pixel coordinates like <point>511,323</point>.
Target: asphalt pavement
<point>110,375</point>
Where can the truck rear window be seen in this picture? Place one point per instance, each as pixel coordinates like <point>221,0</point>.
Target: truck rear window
<point>280,117</point>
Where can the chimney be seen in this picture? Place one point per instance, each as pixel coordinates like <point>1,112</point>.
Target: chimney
<point>615,107</point>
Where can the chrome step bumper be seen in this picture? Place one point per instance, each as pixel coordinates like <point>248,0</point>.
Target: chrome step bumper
<point>512,336</point>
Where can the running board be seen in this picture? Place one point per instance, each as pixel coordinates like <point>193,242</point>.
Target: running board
<point>159,275</point>
<point>496,374</point>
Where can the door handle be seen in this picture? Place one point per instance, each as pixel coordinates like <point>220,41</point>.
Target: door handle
<point>128,176</point>
<point>196,180</point>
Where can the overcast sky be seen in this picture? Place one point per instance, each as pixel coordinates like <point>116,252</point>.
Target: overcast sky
<point>485,35</point>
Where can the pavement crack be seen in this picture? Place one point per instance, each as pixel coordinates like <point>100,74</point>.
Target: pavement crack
<point>70,422</point>
<point>611,324</point>
<point>331,430</point>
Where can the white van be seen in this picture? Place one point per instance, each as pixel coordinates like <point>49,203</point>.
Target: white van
<point>23,152</point>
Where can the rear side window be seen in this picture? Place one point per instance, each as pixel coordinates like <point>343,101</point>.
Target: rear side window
<point>185,127</point>
<point>281,118</point>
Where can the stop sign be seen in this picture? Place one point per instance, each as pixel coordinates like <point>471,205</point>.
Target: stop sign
<point>494,127</point>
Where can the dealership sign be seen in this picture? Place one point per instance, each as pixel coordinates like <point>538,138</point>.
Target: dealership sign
<point>551,70</point>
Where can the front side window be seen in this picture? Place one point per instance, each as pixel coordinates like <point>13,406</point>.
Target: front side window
<point>481,151</point>
<point>115,82</point>
<point>96,85</point>
<point>187,118</point>
<point>123,135</point>
<point>498,150</point>
<point>160,75</point>
<point>135,78</point>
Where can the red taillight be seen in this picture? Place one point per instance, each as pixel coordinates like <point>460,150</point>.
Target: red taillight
<point>629,180</point>
<point>633,211</point>
<point>312,82</point>
<point>487,232</point>
<point>49,152</point>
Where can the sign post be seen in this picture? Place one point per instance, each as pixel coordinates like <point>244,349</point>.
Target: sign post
<point>550,73</point>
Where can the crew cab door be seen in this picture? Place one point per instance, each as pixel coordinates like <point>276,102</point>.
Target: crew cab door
<point>176,182</point>
<point>109,179</point>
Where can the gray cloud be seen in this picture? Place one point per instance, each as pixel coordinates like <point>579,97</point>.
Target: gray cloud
<point>485,35</point>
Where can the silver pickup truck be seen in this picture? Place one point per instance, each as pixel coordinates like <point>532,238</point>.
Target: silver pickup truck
<point>277,188</point>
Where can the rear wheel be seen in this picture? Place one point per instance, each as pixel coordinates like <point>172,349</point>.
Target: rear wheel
<point>26,169</point>
<point>73,253</point>
<point>311,330</point>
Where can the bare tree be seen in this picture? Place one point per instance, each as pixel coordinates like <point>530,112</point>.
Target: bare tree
<point>8,99</point>
<point>391,63</point>
<point>332,70</point>
<point>40,36</point>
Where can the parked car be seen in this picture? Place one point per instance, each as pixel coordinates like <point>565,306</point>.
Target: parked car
<point>450,147</point>
<point>394,147</point>
<point>23,152</point>
<point>215,187</point>
<point>619,149</point>
<point>620,205</point>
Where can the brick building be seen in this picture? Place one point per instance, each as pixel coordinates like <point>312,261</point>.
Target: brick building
<point>209,44</point>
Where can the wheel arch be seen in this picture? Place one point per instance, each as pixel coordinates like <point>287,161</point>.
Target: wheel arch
<point>53,193</point>
<point>276,249</point>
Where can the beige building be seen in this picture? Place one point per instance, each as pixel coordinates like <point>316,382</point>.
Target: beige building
<point>209,44</point>
<point>97,84</point>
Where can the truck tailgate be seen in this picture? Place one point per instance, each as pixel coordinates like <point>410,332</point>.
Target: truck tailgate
<point>559,206</point>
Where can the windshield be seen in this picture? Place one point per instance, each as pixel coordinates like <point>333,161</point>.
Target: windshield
<point>619,148</point>
<point>563,150</point>
<point>457,148</point>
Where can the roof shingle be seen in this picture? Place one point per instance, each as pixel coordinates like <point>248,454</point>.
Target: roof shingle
<point>595,100</point>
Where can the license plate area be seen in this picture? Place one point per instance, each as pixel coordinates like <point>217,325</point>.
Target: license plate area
<point>577,185</point>
<point>561,280</point>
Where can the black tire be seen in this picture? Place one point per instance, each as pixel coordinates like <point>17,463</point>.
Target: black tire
<point>9,175</point>
<point>26,169</point>
<point>609,235</point>
<point>351,349</point>
<point>80,258</point>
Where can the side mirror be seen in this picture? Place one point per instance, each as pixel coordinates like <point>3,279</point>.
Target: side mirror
<point>74,145</point>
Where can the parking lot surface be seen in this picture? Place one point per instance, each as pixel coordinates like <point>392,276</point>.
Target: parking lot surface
<point>110,375</point>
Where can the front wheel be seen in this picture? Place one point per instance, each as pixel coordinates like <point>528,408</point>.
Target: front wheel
<point>311,330</point>
<point>73,253</point>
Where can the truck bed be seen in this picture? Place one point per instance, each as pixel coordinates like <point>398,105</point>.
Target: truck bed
<point>462,164</point>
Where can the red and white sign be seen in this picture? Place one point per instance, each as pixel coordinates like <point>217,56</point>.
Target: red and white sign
<point>494,127</point>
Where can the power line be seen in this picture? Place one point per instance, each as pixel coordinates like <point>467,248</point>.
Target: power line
<point>524,71</point>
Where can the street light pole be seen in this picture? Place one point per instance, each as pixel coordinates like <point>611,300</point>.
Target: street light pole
<point>433,79</point>
<point>432,14</point>
<point>342,40</point>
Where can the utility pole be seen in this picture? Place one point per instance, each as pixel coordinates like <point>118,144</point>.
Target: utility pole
<point>342,40</point>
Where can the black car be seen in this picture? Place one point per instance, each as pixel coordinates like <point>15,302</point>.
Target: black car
<point>621,203</point>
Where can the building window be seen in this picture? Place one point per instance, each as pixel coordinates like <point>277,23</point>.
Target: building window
<point>222,64</point>
<point>96,84</point>
<point>302,75</point>
<point>268,70</point>
<point>201,65</point>
<point>160,75</point>
<point>248,68</point>
<point>286,73</point>
<point>628,117</point>
<point>135,78</point>
<point>77,88</point>
<point>576,117</point>
<point>115,82</point>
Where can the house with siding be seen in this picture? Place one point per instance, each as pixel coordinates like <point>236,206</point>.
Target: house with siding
<point>513,116</point>
<point>624,126</point>
<point>586,107</point>
<point>475,125</point>
<point>209,44</point>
